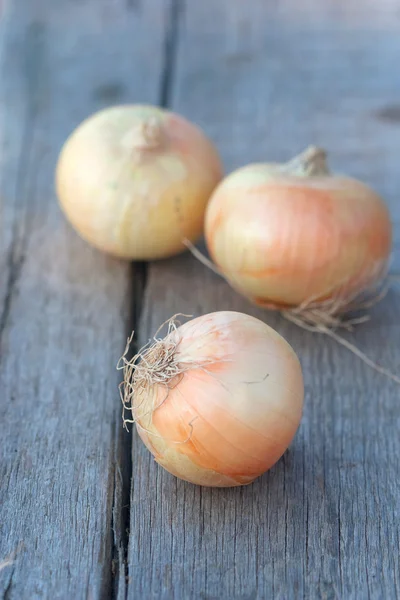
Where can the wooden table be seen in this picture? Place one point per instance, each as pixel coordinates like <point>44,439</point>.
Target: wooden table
<point>80,518</point>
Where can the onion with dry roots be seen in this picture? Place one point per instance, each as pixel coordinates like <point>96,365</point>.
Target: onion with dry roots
<point>299,238</point>
<point>218,400</point>
<point>119,176</point>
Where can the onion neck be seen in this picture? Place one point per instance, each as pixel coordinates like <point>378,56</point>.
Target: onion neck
<point>147,135</point>
<point>310,163</point>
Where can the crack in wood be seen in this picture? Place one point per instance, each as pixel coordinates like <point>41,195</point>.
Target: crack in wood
<point>171,39</point>
<point>123,461</point>
<point>7,590</point>
<point>16,256</point>
<point>14,270</point>
<point>33,59</point>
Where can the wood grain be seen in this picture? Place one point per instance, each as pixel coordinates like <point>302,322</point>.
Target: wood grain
<point>64,308</point>
<point>265,79</point>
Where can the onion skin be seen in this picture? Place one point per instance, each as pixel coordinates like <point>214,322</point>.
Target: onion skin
<point>134,180</point>
<point>283,237</point>
<point>224,423</point>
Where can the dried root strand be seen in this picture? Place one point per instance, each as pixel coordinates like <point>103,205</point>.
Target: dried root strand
<point>332,313</point>
<point>202,258</point>
<point>329,315</point>
<point>156,364</point>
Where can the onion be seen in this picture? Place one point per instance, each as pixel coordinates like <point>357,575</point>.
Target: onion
<point>121,172</point>
<point>218,400</point>
<point>292,235</point>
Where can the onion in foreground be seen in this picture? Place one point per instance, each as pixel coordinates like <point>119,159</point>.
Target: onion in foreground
<point>218,400</point>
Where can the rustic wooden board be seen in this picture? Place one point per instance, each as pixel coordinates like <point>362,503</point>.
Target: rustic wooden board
<point>265,79</point>
<point>64,309</point>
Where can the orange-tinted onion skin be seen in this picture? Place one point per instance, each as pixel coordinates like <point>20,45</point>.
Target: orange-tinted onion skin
<point>227,423</point>
<point>283,240</point>
<point>135,202</point>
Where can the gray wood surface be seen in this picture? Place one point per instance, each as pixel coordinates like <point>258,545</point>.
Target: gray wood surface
<point>265,79</point>
<point>64,308</point>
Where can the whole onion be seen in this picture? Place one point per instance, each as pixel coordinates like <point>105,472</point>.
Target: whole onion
<point>217,400</point>
<point>134,180</point>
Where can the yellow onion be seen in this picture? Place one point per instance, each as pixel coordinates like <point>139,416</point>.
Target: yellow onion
<point>287,235</point>
<point>122,173</point>
<point>218,400</point>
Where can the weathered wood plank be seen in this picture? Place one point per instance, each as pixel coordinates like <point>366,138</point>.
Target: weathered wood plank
<point>64,309</point>
<point>265,79</point>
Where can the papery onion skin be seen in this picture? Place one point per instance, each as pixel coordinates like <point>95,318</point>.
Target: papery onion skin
<point>224,423</point>
<point>284,238</point>
<point>134,180</point>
